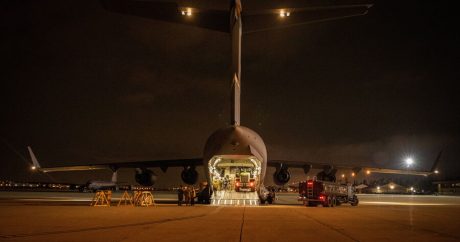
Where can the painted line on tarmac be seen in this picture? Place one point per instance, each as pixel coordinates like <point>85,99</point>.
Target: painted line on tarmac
<point>12,236</point>
<point>340,231</point>
<point>242,225</point>
<point>411,227</point>
<point>407,203</point>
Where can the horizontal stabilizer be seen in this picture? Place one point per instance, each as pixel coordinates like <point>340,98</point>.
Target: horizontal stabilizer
<point>217,20</point>
<point>271,19</point>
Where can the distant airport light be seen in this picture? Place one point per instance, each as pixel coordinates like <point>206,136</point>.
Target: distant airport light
<point>284,14</point>
<point>187,12</point>
<point>436,171</point>
<point>409,161</point>
<point>392,187</point>
<point>412,188</point>
<point>368,172</point>
<point>378,188</point>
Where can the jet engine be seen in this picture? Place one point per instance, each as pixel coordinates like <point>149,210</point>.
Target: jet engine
<point>327,174</point>
<point>145,177</point>
<point>281,176</point>
<point>189,175</point>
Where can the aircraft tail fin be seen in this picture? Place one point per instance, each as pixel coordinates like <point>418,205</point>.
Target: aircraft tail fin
<point>434,168</point>
<point>115,177</point>
<point>35,163</point>
<point>235,102</point>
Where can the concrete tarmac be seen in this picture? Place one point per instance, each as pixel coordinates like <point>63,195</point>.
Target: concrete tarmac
<point>377,218</point>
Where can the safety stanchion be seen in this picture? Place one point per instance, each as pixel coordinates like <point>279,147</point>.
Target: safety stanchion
<point>126,198</point>
<point>102,199</point>
<point>143,199</point>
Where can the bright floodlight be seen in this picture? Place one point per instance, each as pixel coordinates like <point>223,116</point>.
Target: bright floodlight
<point>436,171</point>
<point>409,161</point>
<point>33,167</point>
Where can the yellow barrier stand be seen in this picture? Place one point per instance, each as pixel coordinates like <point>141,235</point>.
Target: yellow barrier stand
<point>143,199</point>
<point>126,198</point>
<point>136,196</point>
<point>102,199</point>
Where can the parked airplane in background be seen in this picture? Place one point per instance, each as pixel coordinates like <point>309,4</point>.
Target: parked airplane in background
<point>103,185</point>
<point>235,150</point>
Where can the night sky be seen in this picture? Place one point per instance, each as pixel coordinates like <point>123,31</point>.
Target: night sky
<point>83,85</point>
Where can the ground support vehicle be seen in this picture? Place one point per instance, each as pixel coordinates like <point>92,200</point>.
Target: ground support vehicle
<point>244,183</point>
<point>325,193</point>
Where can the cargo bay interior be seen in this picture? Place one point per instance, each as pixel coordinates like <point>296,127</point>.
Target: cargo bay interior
<point>235,179</point>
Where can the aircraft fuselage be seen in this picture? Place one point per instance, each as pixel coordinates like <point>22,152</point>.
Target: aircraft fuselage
<point>235,159</point>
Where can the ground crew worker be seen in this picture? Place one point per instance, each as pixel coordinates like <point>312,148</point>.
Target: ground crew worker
<point>187,196</point>
<point>192,196</point>
<point>270,198</point>
<point>109,197</point>
<point>180,195</point>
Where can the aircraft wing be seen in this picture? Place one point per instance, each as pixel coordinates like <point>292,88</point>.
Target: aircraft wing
<point>219,20</point>
<point>368,169</point>
<point>163,164</point>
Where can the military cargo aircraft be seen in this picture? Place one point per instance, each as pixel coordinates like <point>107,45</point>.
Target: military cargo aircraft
<point>234,150</point>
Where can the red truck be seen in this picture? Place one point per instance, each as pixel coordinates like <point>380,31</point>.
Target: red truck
<point>328,194</point>
<point>244,183</point>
